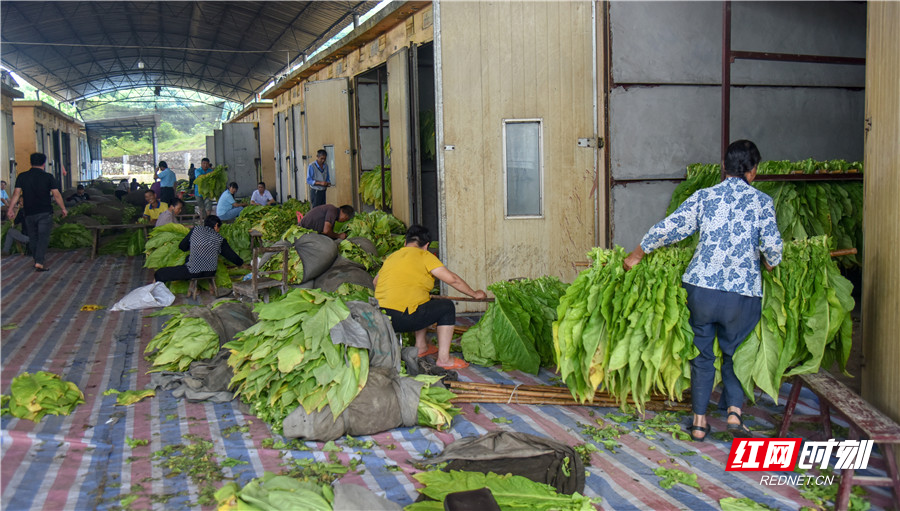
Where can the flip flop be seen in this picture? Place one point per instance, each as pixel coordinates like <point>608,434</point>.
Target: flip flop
<point>705,430</point>
<point>432,349</point>
<point>41,269</point>
<point>739,430</point>
<point>456,364</point>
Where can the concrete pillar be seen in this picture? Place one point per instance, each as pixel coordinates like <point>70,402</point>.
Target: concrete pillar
<point>155,147</point>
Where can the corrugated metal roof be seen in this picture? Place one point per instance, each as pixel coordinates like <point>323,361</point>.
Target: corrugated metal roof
<point>74,50</point>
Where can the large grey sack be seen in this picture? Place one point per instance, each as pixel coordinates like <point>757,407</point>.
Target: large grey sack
<point>317,253</point>
<point>344,271</point>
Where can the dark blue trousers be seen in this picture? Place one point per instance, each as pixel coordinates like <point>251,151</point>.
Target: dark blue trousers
<point>316,197</point>
<point>730,317</point>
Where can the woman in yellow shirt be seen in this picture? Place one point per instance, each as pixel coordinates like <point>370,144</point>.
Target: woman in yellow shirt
<point>403,286</point>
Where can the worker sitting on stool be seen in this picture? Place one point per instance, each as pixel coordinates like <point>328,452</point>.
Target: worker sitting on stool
<point>227,208</point>
<point>402,288</point>
<point>204,244</point>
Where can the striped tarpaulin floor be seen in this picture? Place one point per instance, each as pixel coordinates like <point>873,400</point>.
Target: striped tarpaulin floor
<point>83,461</point>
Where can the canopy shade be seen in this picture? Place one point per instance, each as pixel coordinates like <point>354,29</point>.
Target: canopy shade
<point>73,50</point>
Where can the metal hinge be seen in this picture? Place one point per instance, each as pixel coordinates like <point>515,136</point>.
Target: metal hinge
<point>591,142</point>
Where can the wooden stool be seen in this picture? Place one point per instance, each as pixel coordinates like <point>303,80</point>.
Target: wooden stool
<point>193,290</point>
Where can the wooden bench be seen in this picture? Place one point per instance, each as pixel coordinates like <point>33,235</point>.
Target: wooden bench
<point>95,229</point>
<point>258,279</point>
<point>865,421</point>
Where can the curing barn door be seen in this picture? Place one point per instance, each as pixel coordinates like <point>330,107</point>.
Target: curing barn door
<point>297,162</point>
<point>280,150</point>
<point>398,106</point>
<point>328,116</point>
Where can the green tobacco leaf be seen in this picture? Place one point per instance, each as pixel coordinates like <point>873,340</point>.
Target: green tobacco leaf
<point>510,492</point>
<point>672,476</point>
<point>130,397</point>
<point>745,504</point>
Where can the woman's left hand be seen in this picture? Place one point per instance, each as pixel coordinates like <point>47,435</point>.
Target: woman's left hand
<point>633,258</point>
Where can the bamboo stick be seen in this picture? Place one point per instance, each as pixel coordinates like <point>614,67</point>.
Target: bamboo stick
<point>650,405</point>
<point>843,252</point>
<point>462,298</point>
<point>498,388</point>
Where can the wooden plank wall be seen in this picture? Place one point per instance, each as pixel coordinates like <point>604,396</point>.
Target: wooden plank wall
<point>881,217</point>
<point>510,60</point>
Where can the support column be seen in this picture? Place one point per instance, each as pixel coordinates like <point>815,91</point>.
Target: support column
<point>155,147</point>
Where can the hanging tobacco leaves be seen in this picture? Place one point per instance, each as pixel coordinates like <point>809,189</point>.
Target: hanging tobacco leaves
<point>370,187</point>
<point>803,209</point>
<point>629,331</point>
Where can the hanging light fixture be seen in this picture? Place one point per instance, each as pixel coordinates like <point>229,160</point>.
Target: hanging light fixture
<point>140,64</point>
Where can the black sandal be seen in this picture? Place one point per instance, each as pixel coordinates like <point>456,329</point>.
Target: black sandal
<point>706,430</point>
<point>739,430</point>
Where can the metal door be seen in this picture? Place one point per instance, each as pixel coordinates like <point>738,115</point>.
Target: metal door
<point>241,150</point>
<point>328,124</point>
<point>298,160</point>
<point>401,146</point>
<point>280,150</point>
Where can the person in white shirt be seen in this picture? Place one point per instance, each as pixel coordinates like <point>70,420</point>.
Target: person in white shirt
<point>261,196</point>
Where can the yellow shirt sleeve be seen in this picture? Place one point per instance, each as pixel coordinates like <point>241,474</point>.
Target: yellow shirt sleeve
<point>154,213</point>
<point>405,279</point>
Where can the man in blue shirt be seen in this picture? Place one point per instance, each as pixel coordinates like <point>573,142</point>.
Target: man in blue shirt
<point>227,208</point>
<point>203,204</point>
<point>317,178</point>
<point>166,182</point>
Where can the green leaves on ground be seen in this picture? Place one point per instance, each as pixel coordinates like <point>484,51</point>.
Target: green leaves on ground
<point>516,330</point>
<point>745,504</point>
<point>271,221</point>
<point>672,476</point>
<point>288,359</point>
<point>510,491</point>
<point>435,410</point>
<point>273,492</point>
<point>355,253</point>
<point>182,340</point>
<point>67,236</point>
<point>130,397</point>
<point>295,265</point>
<point>383,229</point>
<point>32,396</point>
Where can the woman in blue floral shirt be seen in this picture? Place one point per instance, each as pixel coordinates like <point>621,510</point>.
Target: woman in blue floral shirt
<point>738,232</point>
